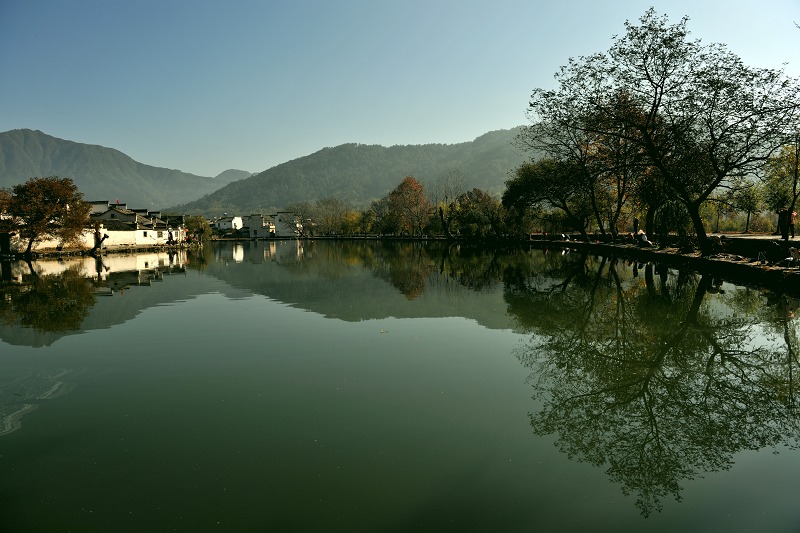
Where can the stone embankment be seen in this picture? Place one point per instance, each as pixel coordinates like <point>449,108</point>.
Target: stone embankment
<point>755,260</point>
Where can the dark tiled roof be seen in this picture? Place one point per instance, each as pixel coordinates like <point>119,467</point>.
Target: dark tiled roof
<point>117,225</point>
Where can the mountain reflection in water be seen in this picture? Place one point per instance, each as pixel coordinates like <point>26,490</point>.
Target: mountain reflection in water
<point>656,375</point>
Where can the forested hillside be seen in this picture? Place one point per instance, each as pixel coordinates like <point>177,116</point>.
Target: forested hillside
<point>359,173</point>
<point>101,173</point>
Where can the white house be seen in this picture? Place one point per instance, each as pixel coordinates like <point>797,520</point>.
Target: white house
<point>99,207</point>
<point>287,224</point>
<point>120,226</point>
<point>229,223</point>
<point>258,226</point>
<point>84,240</point>
<point>127,227</point>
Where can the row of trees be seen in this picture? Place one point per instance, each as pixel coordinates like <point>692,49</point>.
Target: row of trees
<point>411,210</point>
<point>659,126</point>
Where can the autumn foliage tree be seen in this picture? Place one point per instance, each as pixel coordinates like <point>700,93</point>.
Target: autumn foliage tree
<point>408,207</point>
<point>43,208</point>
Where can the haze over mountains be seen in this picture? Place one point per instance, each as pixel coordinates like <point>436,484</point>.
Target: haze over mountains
<point>355,173</point>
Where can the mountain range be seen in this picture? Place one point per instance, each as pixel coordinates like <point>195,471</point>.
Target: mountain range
<point>355,173</point>
<point>101,173</point>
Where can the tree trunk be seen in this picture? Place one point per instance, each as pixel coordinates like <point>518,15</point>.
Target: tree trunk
<point>650,222</point>
<point>445,224</point>
<point>700,231</point>
<point>598,217</point>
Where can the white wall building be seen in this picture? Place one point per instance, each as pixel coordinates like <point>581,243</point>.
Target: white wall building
<point>287,224</point>
<point>258,226</point>
<point>229,223</point>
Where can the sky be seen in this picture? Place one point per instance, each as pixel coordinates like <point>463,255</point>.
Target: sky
<point>208,85</point>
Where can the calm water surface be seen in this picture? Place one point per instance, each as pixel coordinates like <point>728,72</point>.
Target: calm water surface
<point>360,386</point>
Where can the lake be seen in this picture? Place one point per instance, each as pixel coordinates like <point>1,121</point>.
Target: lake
<point>368,386</point>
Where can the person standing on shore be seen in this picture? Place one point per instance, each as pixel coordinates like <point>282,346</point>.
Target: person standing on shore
<point>791,223</point>
<point>783,223</point>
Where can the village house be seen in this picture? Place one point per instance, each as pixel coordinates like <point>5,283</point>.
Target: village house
<point>287,224</point>
<point>283,224</point>
<point>227,223</point>
<point>98,207</point>
<point>112,225</point>
<point>116,225</point>
<point>258,226</point>
<point>128,227</point>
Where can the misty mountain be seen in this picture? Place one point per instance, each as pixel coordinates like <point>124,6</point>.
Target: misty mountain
<point>101,173</point>
<point>359,173</point>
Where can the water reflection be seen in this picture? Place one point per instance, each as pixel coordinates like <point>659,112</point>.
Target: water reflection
<point>43,301</point>
<point>412,268</point>
<point>21,391</point>
<point>659,379</point>
<point>47,302</point>
<point>55,296</point>
<point>657,375</point>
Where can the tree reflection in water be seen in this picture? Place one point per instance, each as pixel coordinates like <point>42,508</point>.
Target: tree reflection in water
<point>48,303</point>
<point>660,378</point>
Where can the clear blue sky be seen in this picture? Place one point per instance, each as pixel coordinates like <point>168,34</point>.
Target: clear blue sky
<point>204,86</point>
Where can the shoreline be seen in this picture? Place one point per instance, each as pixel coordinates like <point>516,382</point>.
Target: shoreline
<point>733,268</point>
<point>757,263</point>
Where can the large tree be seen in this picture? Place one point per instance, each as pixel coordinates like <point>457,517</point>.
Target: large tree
<point>478,215</point>
<point>198,228</point>
<point>696,113</point>
<point>43,208</point>
<point>605,168</point>
<point>443,196</point>
<point>409,207</point>
<point>554,184</point>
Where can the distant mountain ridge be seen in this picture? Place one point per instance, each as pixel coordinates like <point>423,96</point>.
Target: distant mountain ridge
<point>101,173</point>
<point>359,173</point>
<point>355,173</point>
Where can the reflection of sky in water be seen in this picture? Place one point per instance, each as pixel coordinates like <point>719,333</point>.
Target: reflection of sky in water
<point>21,390</point>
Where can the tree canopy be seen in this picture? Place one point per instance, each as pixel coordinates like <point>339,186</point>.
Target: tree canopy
<point>687,116</point>
<point>41,208</point>
<point>408,207</point>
